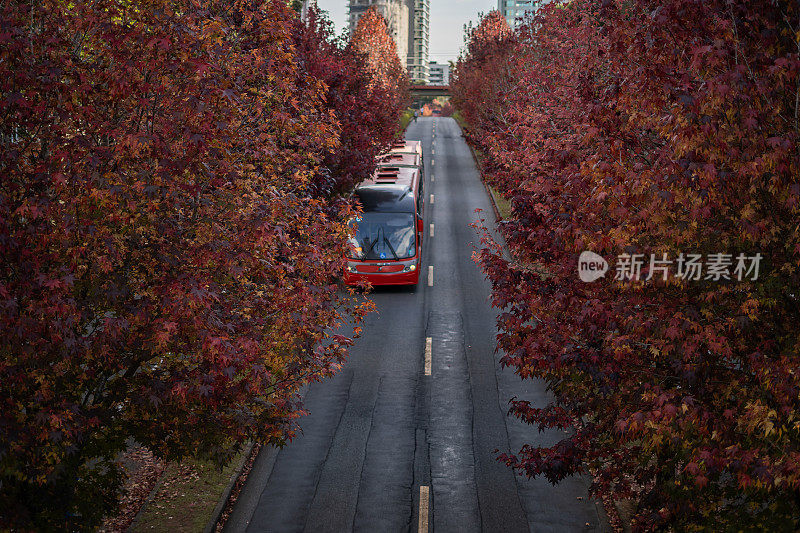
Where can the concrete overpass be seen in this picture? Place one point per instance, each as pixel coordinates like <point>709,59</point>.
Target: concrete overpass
<point>433,91</point>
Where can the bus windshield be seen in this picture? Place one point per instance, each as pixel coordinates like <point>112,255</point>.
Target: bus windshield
<point>383,236</point>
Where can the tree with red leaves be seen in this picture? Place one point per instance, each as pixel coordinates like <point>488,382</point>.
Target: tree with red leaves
<point>483,77</point>
<point>167,265</point>
<point>657,128</point>
<point>368,110</point>
<point>373,42</point>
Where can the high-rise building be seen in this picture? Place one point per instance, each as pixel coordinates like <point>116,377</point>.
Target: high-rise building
<point>515,10</point>
<point>396,14</point>
<point>409,25</point>
<point>419,40</point>
<point>439,73</point>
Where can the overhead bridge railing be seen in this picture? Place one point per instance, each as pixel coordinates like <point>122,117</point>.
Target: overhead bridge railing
<point>429,90</point>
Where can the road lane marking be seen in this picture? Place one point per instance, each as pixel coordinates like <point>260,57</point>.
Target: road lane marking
<point>431,199</point>
<point>428,353</point>
<point>433,162</point>
<point>432,178</point>
<point>430,276</point>
<point>424,492</point>
<point>431,230</point>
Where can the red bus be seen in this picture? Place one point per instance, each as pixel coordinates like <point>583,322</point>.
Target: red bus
<point>386,246</point>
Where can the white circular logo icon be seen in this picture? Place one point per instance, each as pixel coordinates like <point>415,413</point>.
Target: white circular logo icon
<point>591,266</point>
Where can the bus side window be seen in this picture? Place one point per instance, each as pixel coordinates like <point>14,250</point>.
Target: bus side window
<point>420,197</point>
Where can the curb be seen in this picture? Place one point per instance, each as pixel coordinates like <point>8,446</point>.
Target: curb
<point>226,494</point>
<point>243,509</point>
<point>489,190</point>
<point>247,500</point>
<point>147,501</point>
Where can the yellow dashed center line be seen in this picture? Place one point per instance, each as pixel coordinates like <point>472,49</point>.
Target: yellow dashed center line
<point>424,495</point>
<point>428,355</point>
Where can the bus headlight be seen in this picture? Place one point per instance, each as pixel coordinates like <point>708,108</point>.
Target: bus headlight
<point>351,269</point>
<point>410,268</point>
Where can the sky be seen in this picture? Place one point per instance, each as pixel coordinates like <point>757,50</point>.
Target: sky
<point>447,22</point>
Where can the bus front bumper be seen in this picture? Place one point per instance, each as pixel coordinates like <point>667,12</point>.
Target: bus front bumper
<point>394,273</point>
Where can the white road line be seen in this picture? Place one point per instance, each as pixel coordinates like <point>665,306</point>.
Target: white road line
<point>428,353</point>
<point>423,508</point>
<point>433,162</point>
<point>432,178</point>
<point>431,199</point>
<point>431,230</point>
<point>430,276</point>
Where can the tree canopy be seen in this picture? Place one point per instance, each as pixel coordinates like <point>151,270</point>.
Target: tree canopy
<point>171,234</point>
<point>658,130</point>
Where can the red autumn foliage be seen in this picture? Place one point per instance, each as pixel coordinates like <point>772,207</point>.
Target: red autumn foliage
<point>481,80</point>
<point>367,109</point>
<point>168,253</point>
<point>372,41</point>
<point>650,127</point>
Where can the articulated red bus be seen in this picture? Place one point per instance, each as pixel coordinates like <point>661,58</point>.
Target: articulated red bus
<point>386,246</point>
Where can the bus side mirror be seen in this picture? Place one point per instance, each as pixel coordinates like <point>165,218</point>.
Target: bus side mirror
<point>420,225</point>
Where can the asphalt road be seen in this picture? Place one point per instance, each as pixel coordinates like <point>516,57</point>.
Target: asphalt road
<point>381,433</point>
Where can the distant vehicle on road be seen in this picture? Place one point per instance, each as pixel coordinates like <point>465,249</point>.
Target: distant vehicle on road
<point>386,245</point>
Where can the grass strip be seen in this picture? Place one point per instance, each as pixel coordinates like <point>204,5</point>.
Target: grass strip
<point>405,118</point>
<point>187,497</point>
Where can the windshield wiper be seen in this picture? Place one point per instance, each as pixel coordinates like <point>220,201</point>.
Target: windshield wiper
<point>371,246</point>
<point>381,234</point>
<point>390,247</point>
